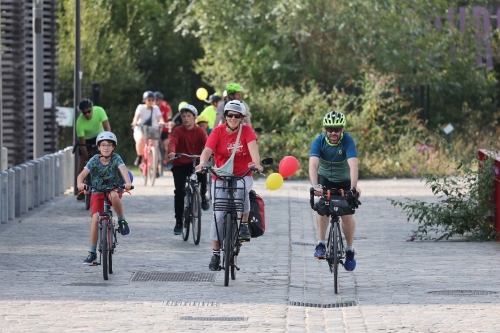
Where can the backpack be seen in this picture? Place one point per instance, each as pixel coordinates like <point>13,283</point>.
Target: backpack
<point>256,218</point>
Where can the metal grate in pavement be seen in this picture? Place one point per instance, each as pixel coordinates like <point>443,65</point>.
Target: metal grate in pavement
<point>462,292</point>
<point>168,277</point>
<point>89,284</point>
<point>301,243</point>
<point>190,303</point>
<point>326,305</point>
<point>214,318</point>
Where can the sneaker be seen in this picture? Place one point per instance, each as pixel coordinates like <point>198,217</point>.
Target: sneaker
<point>204,203</point>
<point>178,227</point>
<point>90,258</point>
<point>350,262</point>
<point>244,232</point>
<point>138,160</point>
<point>123,227</point>
<point>320,251</point>
<point>214,263</point>
<point>80,197</point>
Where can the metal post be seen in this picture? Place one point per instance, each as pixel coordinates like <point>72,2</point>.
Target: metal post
<point>38,118</point>
<point>96,93</point>
<point>77,92</point>
<point>1,106</point>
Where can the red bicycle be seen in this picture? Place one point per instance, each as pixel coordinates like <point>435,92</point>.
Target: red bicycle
<point>149,164</point>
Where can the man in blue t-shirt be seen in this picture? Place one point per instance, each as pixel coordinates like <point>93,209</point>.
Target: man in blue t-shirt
<point>333,163</point>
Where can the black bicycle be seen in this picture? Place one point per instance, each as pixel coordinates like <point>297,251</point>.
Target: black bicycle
<point>107,231</point>
<point>91,150</point>
<point>334,203</point>
<point>192,203</point>
<point>232,208</point>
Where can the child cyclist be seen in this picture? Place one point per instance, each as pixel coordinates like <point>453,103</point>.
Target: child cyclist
<point>107,169</point>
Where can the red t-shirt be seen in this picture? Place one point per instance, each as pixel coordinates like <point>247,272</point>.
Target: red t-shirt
<point>222,144</point>
<point>186,141</point>
<point>166,112</point>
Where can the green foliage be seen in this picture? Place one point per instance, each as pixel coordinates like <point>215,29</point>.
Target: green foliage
<point>465,204</point>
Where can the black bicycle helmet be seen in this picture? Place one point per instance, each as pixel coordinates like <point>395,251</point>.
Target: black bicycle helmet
<point>85,104</point>
<point>214,99</point>
<point>148,94</point>
<point>159,95</point>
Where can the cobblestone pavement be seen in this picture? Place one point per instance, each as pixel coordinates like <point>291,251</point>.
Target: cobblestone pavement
<point>398,286</point>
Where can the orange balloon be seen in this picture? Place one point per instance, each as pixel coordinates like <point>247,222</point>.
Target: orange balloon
<point>288,166</point>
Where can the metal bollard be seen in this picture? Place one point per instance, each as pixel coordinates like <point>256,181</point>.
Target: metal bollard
<point>11,179</point>
<point>4,193</point>
<point>57,175</point>
<point>30,188</point>
<point>36,183</point>
<point>46,179</point>
<point>24,188</point>
<point>18,185</point>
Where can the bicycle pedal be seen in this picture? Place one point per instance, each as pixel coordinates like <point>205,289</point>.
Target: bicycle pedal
<point>237,268</point>
<point>95,264</point>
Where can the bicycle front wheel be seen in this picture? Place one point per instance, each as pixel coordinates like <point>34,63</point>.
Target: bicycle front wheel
<point>228,247</point>
<point>187,213</point>
<point>111,249</point>
<point>336,253</point>
<point>235,243</point>
<point>196,214</point>
<point>88,181</point>
<point>153,164</point>
<point>104,248</point>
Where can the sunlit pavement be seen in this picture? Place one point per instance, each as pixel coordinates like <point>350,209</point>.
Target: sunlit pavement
<point>398,286</point>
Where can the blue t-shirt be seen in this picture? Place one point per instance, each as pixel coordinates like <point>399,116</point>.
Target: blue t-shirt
<point>106,175</point>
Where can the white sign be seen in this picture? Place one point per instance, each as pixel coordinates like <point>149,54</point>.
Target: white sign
<point>65,116</point>
<point>448,129</point>
<point>47,100</point>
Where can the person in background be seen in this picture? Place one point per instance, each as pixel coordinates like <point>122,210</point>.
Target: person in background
<point>202,121</point>
<point>166,113</point>
<point>210,112</point>
<point>234,93</point>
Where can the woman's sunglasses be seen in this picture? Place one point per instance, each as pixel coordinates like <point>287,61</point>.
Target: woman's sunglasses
<point>235,115</point>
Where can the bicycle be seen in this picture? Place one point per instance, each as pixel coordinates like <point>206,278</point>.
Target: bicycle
<point>149,163</point>
<point>334,203</point>
<point>232,207</point>
<point>88,180</point>
<point>107,231</point>
<point>192,203</point>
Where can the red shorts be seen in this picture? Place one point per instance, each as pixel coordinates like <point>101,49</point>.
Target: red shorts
<point>97,202</point>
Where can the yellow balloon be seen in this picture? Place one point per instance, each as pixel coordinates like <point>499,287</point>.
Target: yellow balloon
<point>202,93</point>
<point>274,181</point>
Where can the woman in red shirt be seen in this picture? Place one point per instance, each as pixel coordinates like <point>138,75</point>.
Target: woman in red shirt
<point>221,142</point>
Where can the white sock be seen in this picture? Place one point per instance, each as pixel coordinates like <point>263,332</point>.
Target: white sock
<point>322,241</point>
<point>349,248</point>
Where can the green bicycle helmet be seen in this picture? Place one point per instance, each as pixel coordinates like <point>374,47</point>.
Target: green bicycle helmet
<point>233,88</point>
<point>334,118</point>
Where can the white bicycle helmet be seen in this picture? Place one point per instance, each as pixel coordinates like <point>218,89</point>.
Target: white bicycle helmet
<point>236,106</point>
<point>191,108</point>
<point>108,136</point>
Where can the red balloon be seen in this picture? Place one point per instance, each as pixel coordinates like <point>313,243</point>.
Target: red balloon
<point>288,166</point>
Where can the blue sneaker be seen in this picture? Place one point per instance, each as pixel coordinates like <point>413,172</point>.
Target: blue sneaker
<point>350,262</point>
<point>320,251</point>
<point>90,258</point>
<point>123,227</point>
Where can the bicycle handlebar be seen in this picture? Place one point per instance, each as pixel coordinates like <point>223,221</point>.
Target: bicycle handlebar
<point>78,144</point>
<point>105,189</point>
<point>179,155</point>
<point>210,169</point>
<point>327,193</point>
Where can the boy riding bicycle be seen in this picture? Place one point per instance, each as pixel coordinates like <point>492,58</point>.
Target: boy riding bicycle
<point>107,169</point>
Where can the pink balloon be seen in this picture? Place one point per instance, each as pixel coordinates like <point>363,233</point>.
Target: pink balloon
<point>288,166</point>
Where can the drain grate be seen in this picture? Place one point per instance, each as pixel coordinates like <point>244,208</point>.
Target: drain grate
<point>191,303</point>
<point>89,284</point>
<point>301,243</point>
<point>214,318</point>
<point>321,305</point>
<point>462,292</point>
<point>180,276</point>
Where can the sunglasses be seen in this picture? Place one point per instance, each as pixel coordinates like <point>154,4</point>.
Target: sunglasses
<point>333,129</point>
<point>87,112</point>
<point>235,115</point>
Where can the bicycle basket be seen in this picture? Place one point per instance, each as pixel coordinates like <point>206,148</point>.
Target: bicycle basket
<point>151,132</point>
<point>338,206</point>
<point>222,202</point>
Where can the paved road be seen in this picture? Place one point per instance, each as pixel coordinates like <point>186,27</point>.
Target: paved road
<point>398,286</point>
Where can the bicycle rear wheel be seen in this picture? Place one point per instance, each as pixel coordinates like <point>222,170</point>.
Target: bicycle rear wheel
<point>186,218</point>
<point>104,247</point>
<point>196,214</point>
<point>235,244</point>
<point>228,246</point>
<point>111,249</point>
<point>88,181</point>
<point>336,253</point>
<point>144,169</point>
<point>153,164</point>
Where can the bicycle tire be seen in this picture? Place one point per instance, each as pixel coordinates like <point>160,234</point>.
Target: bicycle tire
<point>104,248</point>
<point>209,185</point>
<point>161,157</point>
<point>111,249</point>
<point>186,218</point>
<point>88,180</point>
<point>144,170</point>
<point>234,243</point>
<point>196,214</point>
<point>227,247</point>
<point>336,254</point>
<point>153,164</point>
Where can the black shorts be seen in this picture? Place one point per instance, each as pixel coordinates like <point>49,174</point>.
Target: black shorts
<point>89,149</point>
<point>345,185</point>
<point>164,136</point>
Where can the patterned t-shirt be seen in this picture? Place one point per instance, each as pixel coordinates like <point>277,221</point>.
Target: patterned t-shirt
<point>105,175</point>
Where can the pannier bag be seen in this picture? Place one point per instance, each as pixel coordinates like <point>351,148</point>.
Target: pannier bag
<point>257,217</point>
